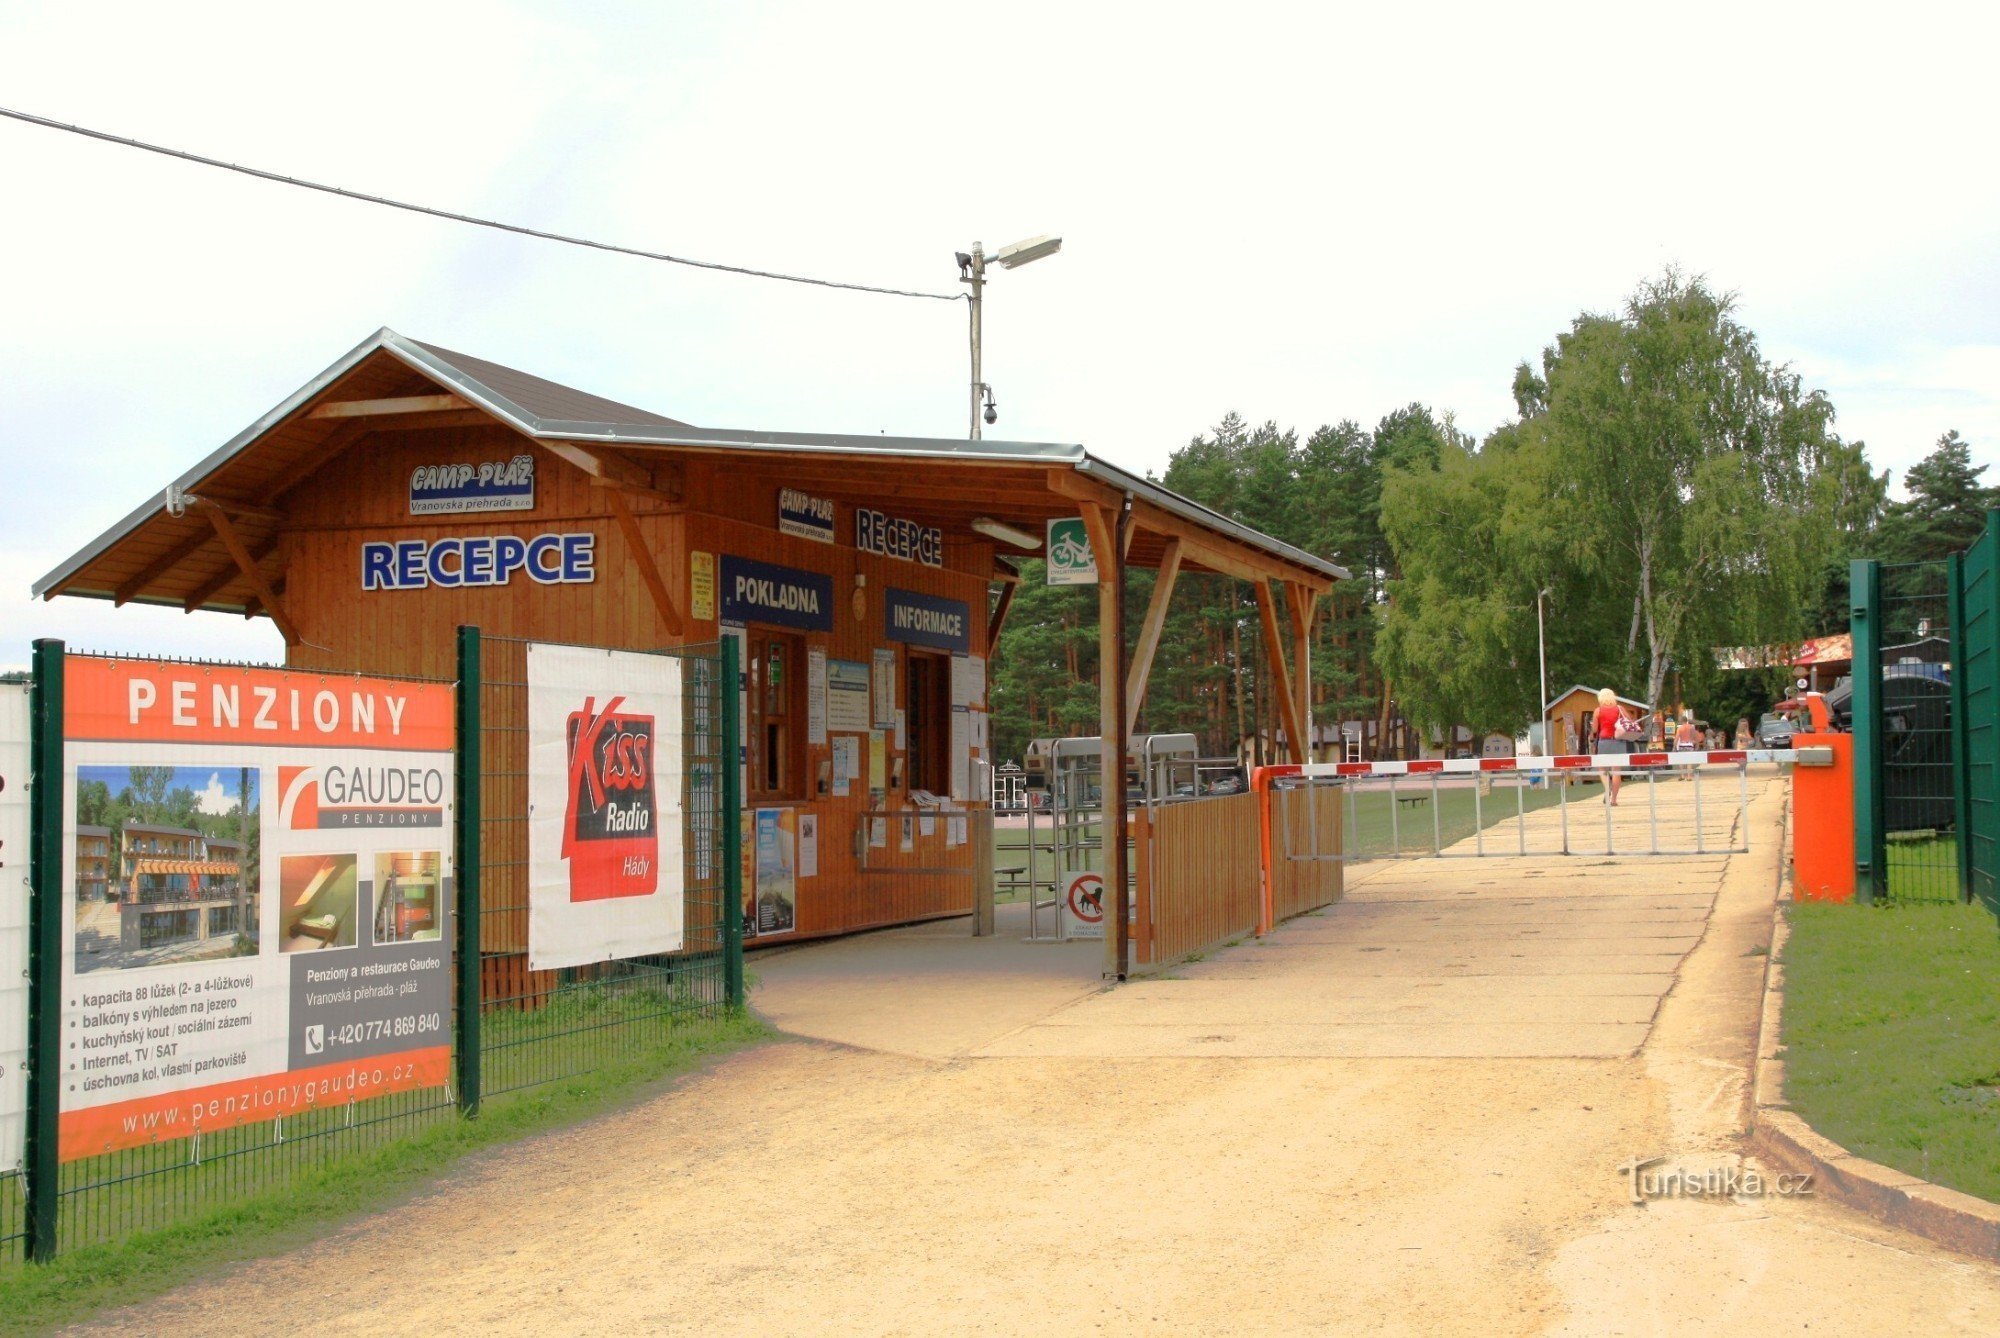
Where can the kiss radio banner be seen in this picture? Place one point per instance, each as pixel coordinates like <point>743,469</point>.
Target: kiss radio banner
<point>13,923</point>
<point>259,911</point>
<point>606,878</point>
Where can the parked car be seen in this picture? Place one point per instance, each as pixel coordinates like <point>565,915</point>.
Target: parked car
<point>1775,731</point>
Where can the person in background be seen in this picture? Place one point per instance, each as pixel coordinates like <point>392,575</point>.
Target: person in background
<point>1607,742</point>
<point>1744,738</point>
<point>1686,739</point>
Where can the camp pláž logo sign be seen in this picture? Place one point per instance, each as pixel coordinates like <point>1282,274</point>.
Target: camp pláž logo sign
<point>610,833</point>
<point>1070,561</point>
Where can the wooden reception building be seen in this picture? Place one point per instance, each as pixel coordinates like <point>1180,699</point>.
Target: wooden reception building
<point>408,489</point>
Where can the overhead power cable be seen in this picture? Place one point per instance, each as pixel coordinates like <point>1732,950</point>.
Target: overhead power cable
<point>456,217</point>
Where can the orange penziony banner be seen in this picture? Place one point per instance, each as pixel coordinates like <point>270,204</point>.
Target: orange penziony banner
<point>162,702</point>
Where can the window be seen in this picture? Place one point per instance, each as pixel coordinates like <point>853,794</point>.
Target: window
<point>929,721</point>
<point>776,663</point>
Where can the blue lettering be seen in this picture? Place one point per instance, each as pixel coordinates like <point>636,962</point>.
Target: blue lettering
<point>578,558</point>
<point>448,577</point>
<point>476,561</point>
<point>410,564</point>
<point>543,547</point>
<point>510,554</point>
<point>375,573</point>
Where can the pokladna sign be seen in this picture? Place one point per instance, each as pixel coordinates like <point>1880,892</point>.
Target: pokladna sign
<point>605,811</point>
<point>259,912</point>
<point>13,923</point>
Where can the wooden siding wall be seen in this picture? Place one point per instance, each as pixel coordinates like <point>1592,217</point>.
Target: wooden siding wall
<point>742,520</point>
<point>1198,875</point>
<point>1298,886</point>
<point>727,509</point>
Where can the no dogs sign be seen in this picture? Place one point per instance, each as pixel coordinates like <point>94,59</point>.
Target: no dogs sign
<point>1084,902</point>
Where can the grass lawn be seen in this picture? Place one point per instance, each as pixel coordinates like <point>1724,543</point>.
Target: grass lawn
<point>81,1281</point>
<point>1923,867</point>
<point>1892,1035</point>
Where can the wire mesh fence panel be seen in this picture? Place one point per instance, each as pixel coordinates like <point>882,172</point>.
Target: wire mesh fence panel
<point>1919,790</point>
<point>13,1219</point>
<point>539,1027</point>
<point>147,1188</point>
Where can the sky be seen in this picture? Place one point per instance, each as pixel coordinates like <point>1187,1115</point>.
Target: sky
<point>1301,212</point>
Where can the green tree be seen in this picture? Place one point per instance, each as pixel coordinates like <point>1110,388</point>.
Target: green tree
<point>1693,473</point>
<point>1946,507</point>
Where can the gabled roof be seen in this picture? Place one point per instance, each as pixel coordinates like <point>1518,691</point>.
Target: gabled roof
<point>264,459</point>
<point>1550,705</point>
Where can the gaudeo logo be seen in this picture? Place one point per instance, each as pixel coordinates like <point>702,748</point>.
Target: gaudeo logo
<point>611,832</point>
<point>337,797</point>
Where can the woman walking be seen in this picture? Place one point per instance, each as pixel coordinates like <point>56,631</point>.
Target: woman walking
<point>1744,738</point>
<point>1607,718</point>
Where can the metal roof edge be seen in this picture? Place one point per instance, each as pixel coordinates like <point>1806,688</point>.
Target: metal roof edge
<point>421,359</point>
<point>1187,509</point>
<point>962,448</point>
<point>187,481</point>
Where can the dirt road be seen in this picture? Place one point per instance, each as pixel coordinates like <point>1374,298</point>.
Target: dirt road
<point>1403,1114</point>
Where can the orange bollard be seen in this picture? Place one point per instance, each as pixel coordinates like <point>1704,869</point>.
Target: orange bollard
<point>1823,814</point>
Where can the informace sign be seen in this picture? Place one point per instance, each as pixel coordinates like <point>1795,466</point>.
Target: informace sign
<point>258,917</point>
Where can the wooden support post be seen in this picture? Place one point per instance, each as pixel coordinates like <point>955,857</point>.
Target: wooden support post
<point>383,407</point>
<point>1301,604</point>
<point>642,558</point>
<point>1281,685</point>
<point>999,618</point>
<point>1107,537</point>
<point>1149,633</point>
<point>265,595</point>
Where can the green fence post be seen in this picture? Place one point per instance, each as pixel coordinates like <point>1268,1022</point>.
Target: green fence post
<point>466,834</point>
<point>1865,621</point>
<point>45,925</point>
<point>731,819</point>
<point>1961,736</point>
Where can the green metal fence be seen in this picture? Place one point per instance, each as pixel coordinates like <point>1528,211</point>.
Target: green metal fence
<point>1976,684</point>
<point>540,1026</point>
<point>512,1029</point>
<point>1925,711</point>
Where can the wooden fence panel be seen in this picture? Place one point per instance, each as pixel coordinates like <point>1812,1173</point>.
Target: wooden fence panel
<point>1200,877</point>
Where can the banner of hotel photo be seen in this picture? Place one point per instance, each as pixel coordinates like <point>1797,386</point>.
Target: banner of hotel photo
<point>257,919</point>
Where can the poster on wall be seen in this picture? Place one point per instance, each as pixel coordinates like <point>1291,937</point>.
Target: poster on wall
<point>606,877</point>
<point>777,886</point>
<point>258,918</point>
<point>885,689</point>
<point>847,697</point>
<point>13,923</point>
<point>816,697</point>
<point>808,845</point>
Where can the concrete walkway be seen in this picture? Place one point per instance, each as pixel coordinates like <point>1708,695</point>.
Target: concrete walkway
<point>1403,1115</point>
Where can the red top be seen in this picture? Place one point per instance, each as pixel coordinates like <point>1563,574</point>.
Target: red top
<point>1607,721</point>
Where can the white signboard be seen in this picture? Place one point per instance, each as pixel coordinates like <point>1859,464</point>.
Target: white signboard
<point>257,896</point>
<point>13,923</point>
<point>606,878</point>
<point>816,697</point>
<point>847,697</point>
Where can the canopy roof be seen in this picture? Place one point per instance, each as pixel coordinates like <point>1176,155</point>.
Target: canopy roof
<point>165,553</point>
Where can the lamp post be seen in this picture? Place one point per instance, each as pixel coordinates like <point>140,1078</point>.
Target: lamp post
<point>1542,657</point>
<point>972,270</point>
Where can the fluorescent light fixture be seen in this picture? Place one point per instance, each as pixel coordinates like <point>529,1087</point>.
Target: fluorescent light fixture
<point>1007,534</point>
<point>1022,253</point>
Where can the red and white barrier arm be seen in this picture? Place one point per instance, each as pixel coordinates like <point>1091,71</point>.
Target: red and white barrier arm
<point>1533,765</point>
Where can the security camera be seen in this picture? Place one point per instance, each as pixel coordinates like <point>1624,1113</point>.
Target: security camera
<point>964,266</point>
<point>992,414</point>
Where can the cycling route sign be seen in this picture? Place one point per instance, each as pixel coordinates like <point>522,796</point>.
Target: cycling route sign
<point>1070,561</point>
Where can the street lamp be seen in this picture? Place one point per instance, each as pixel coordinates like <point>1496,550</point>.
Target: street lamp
<point>972,270</point>
<point>1542,656</point>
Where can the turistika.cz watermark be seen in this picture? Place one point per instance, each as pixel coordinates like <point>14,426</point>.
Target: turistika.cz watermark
<point>1646,1179</point>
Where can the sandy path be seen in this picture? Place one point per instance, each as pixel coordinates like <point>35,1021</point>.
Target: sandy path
<point>960,1176</point>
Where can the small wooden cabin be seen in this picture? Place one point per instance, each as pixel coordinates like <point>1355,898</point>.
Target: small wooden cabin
<point>408,489</point>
